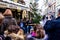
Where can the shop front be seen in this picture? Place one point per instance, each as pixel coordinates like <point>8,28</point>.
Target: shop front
<point>18,11</point>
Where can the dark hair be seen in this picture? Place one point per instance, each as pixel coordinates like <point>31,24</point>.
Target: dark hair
<point>13,28</point>
<point>35,28</point>
<point>59,11</point>
<point>43,17</point>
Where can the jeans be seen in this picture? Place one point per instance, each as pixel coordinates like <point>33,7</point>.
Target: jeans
<point>29,28</point>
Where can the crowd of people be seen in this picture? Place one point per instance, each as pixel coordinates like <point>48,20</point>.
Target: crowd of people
<point>10,30</point>
<point>48,29</point>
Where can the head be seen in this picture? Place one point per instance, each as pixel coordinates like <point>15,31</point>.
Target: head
<point>1,18</point>
<point>43,17</point>
<point>48,17</point>
<point>39,26</point>
<point>8,12</point>
<point>58,12</point>
<point>13,29</point>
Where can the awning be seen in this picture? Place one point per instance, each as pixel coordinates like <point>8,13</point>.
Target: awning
<point>13,6</point>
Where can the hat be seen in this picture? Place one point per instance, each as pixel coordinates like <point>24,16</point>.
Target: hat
<point>8,12</point>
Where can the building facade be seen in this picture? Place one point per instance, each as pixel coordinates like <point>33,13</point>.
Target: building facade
<point>42,7</point>
<point>57,6</point>
<point>19,8</point>
<point>50,7</point>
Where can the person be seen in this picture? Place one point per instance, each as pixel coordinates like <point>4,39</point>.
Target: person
<point>50,17</point>
<point>43,21</point>
<point>22,24</point>
<point>52,28</point>
<point>29,27</point>
<point>25,26</point>
<point>8,20</point>
<point>1,27</point>
<point>40,31</point>
<point>14,32</point>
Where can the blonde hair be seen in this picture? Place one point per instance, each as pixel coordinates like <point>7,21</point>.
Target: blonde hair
<point>8,12</point>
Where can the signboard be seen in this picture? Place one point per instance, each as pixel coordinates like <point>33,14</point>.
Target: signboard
<point>3,5</point>
<point>13,6</point>
<point>16,1</point>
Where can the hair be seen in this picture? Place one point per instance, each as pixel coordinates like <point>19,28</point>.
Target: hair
<point>40,31</point>
<point>43,17</point>
<point>13,29</point>
<point>8,12</point>
<point>59,10</point>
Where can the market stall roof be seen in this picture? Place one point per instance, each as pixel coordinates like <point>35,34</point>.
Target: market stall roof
<point>13,5</point>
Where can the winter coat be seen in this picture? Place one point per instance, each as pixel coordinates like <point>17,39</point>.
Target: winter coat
<point>9,21</point>
<point>52,28</point>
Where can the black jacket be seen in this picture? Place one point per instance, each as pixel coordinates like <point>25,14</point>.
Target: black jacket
<point>52,28</point>
<point>9,21</point>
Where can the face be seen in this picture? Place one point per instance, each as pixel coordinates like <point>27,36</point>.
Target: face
<point>48,17</point>
<point>58,14</point>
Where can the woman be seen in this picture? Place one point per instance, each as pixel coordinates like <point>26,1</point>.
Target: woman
<point>14,32</point>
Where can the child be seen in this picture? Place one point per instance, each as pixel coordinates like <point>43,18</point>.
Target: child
<point>33,32</point>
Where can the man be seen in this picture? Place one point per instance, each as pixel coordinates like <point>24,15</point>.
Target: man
<point>8,20</point>
<point>1,27</point>
<point>52,28</point>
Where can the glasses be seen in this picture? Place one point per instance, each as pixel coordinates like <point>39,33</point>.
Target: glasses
<point>48,17</point>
